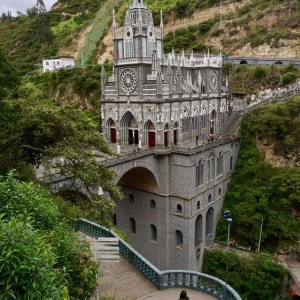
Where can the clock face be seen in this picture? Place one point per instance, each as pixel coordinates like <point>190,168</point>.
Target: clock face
<point>128,81</point>
<point>213,80</point>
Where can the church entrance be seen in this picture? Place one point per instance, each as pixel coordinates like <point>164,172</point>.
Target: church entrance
<point>113,135</point>
<point>112,132</point>
<point>129,129</point>
<point>133,135</point>
<point>150,134</point>
<point>152,139</point>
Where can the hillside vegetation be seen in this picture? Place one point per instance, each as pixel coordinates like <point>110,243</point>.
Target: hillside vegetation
<point>78,28</point>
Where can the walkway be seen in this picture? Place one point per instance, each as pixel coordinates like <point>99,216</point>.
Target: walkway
<point>122,281</point>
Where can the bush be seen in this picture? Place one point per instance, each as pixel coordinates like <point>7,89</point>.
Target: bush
<point>288,78</point>
<point>259,72</point>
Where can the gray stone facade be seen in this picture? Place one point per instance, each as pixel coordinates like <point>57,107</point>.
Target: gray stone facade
<point>167,103</point>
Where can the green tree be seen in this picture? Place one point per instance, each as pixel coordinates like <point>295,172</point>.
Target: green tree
<point>8,76</point>
<point>64,140</point>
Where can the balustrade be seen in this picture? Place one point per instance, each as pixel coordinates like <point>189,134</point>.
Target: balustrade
<point>163,279</point>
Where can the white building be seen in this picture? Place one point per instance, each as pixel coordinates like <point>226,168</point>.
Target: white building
<point>54,63</point>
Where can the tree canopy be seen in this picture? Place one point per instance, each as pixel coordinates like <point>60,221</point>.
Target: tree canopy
<point>63,140</point>
<point>8,76</point>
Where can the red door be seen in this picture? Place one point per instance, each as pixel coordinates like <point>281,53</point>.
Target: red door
<point>152,139</point>
<point>113,135</point>
<point>166,139</point>
<point>175,136</point>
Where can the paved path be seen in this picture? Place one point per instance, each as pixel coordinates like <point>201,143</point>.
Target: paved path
<point>122,281</point>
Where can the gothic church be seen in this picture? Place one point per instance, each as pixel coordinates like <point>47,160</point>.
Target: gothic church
<point>176,104</point>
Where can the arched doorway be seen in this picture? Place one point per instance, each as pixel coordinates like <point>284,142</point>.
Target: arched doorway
<point>243,62</point>
<point>111,132</point>
<point>166,136</point>
<point>209,227</point>
<point>213,121</point>
<point>175,133</point>
<point>150,134</point>
<point>129,129</point>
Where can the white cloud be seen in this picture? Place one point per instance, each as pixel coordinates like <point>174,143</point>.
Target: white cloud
<point>21,5</point>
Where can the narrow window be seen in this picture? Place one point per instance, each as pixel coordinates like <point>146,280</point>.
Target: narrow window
<point>179,208</point>
<point>220,192</point>
<point>231,162</point>
<point>115,219</point>
<point>131,198</point>
<point>152,203</point>
<point>178,239</point>
<point>132,226</point>
<point>153,233</point>
<point>198,205</point>
<point>209,198</point>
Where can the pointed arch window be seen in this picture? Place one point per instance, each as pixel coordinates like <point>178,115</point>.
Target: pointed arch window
<point>231,162</point>
<point>200,173</point>
<point>209,198</point>
<point>220,164</point>
<point>128,43</point>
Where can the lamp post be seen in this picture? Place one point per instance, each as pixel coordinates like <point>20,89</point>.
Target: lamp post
<point>229,220</point>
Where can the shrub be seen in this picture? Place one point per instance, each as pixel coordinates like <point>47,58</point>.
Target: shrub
<point>288,78</point>
<point>259,72</point>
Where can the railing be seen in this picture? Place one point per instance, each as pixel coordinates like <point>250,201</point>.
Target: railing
<point>163,279</point>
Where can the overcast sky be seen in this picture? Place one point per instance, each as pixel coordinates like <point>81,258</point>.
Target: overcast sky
<point>21,5</point>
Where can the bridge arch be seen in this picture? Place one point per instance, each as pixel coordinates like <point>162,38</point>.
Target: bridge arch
<point>295,297</point>
<point>147,181</point>
<point>243,62</point>
<point>278,62</point>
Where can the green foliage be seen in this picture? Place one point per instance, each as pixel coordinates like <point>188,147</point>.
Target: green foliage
<point>39,253</point>
<point>259,72</point>
<point>288,78</point>
<point>206,25</point>
<point>271,193</point>
<point>8,77</point>
<point>44,133</point>
<point>253,277</point>
<point>27,263</point>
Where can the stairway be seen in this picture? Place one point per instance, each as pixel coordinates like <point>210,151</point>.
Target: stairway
<point>107,249</point>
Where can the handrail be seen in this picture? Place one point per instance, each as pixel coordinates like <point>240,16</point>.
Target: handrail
<point>163,279</point>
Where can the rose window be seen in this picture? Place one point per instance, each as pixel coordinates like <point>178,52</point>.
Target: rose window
<point>128,81</point>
